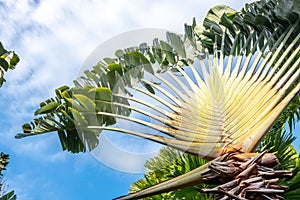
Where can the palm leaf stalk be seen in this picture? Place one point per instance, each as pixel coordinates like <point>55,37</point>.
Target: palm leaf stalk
<point>220,102</point>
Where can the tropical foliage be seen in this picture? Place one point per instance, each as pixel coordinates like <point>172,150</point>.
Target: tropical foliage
<point>8,60</point>
<point>9,196</point>
<point>4,159</point>
<point>264,33</point>
<point>168,164</point>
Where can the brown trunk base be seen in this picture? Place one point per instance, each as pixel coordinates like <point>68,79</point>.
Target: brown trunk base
<point>245,176</point>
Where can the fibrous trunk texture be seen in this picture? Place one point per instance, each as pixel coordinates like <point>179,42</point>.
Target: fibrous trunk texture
<point>243,177</point>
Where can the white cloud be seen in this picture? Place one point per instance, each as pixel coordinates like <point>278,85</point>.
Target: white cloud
<point>124,153</point>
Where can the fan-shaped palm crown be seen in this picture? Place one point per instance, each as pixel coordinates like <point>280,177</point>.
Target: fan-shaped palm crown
<point>219,104</point>
<point>206,102</point>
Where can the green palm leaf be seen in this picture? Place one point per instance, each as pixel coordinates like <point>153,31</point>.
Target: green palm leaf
<point>8,60</point>
<point>168,164</point>
<point>9,196</point>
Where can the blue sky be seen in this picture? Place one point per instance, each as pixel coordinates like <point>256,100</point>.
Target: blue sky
<point>53,38</point>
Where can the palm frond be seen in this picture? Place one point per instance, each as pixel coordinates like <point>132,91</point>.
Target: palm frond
<point>294,191</point>
<point>168,164</point>
<point>8,60</point>
<point>280,142</point>
<point>9,196</point>
<point>264,16</point>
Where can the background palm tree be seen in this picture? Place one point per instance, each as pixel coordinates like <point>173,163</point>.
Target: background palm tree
<point>4,159</point>
<point>257,27</point>
<point>8,60</point>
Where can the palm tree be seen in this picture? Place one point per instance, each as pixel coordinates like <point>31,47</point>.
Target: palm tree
<point>8,60</point>
<point>220,88</point>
